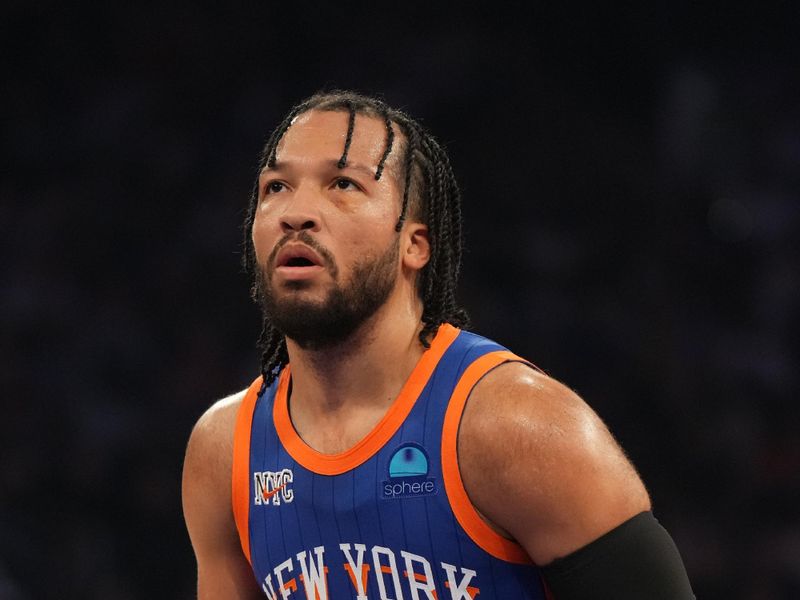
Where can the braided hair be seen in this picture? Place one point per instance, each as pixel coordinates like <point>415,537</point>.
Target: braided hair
<point>430,194</point>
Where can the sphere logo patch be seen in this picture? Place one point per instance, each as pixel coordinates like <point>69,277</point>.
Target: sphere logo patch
<point>408,474</point>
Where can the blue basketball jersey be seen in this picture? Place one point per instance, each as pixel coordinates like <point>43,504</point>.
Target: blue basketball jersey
<point>387,519</point>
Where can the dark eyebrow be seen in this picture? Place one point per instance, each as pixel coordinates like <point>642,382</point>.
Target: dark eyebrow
<point>369,172</point>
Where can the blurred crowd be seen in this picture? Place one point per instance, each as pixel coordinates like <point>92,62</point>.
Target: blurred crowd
<point>632,204</point>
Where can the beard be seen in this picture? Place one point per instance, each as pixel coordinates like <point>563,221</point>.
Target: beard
<point>315,324</point>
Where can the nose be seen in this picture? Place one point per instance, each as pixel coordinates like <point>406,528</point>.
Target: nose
<point>301,213</point>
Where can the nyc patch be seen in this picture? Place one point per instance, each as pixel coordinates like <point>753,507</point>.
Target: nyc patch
<point>272,487</point>
<point>408,474</point>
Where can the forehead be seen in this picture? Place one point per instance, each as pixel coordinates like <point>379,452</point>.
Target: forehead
<point>322,134</point>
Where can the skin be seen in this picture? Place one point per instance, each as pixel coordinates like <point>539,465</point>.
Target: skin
<point>563,479</point>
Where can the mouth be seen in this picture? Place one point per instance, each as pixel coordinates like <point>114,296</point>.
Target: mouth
<point>298,261</point>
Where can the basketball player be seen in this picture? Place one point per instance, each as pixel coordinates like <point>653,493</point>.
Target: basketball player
<point>384,452</point>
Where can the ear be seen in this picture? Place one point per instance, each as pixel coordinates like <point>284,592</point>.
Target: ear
<point>417,248</point>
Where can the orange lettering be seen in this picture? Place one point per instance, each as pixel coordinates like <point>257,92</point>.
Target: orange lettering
<point>364,573</point>
<point>472,591</point>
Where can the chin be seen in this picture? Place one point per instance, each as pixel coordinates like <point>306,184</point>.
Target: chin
<point>299,294</point>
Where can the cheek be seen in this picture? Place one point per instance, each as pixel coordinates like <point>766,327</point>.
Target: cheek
<point>368,242</point>
<point>263,238</point>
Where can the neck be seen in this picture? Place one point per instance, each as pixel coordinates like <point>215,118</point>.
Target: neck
<point>368,369</point>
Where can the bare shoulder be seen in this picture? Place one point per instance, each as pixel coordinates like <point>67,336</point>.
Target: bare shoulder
<point>213,431</point>
<point>562,479</point>
<point>222,569</point>
<point>209,454</point>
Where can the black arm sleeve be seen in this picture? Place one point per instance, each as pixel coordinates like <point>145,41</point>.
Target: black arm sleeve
<point>637,560</point>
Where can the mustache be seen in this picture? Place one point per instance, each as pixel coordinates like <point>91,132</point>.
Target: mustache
<point>305,238</point>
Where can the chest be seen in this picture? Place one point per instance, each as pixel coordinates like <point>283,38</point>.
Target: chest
<point>367,511</point>
<point>337,432</point>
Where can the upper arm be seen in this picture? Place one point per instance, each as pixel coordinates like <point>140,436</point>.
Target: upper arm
<point>222,569</point>
<point>562,478</point>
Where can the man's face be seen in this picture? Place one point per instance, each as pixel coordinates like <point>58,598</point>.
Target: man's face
<point>324,237</point>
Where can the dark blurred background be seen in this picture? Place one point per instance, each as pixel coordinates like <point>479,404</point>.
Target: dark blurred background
<point>632,196</point>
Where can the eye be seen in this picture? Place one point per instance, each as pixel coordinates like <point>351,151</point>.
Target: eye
<point>342,183</point>
<point>273,187</point>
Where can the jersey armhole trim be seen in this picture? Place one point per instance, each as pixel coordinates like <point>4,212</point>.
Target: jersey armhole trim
<point>466,514</point>
<point>240,471</point>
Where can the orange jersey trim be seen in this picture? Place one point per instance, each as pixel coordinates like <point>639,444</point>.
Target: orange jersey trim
<point>466,514</point>
<point>336,464</point>
<point>240,471</point>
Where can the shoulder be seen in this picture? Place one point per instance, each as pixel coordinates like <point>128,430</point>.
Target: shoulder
<point>213,432</point>
<point>563,479</point>
<point>209,453</point>
<point>514,398</point>
<point>206,487</point>
<point>222,568</point>
<point>219,419</point>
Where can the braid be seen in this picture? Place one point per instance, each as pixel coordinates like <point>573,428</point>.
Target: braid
<point>444,221</point>
<point>272,143</point>
<point>273,353</point>
<point>429,189</point>
<point>351,123</point>
<point>389,141</point>
<point>411,148</point>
